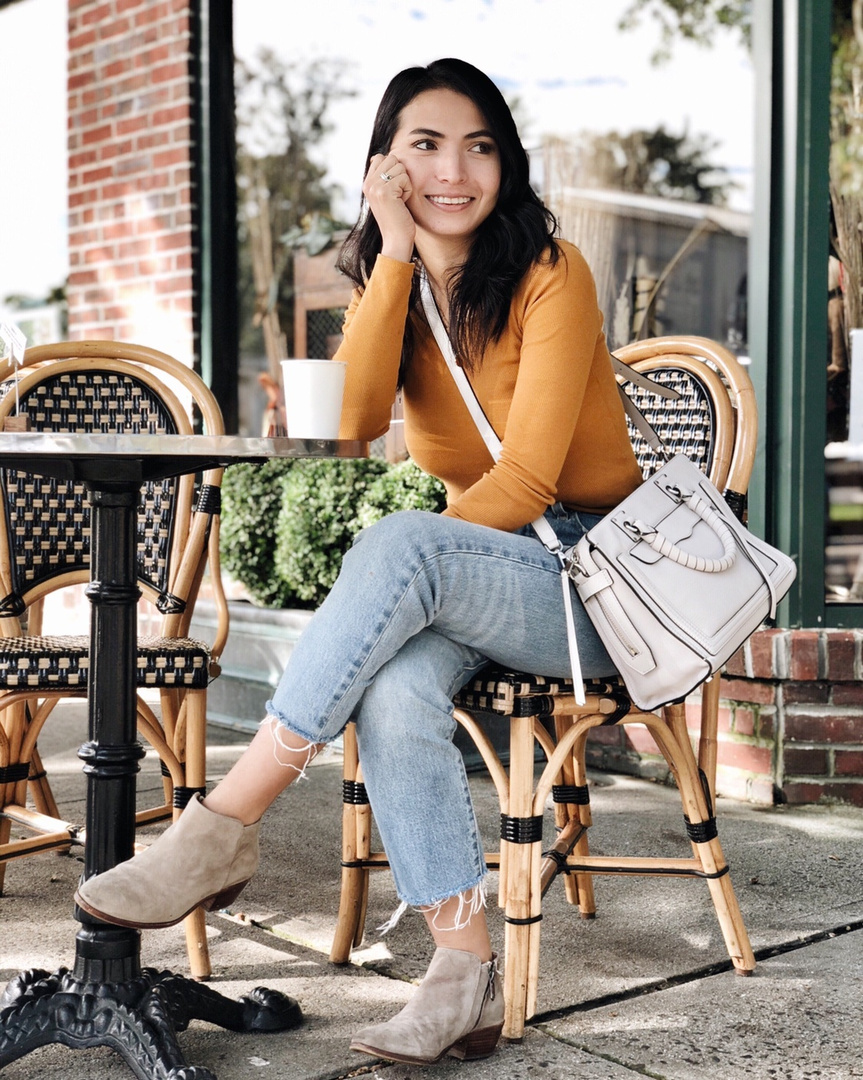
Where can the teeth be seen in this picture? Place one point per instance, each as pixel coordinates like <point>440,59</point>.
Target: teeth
<point>447,201</point>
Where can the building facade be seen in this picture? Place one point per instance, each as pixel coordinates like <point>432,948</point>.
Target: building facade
<point>152,241</point>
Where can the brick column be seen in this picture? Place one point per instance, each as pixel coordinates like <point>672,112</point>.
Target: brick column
<point>131,191</point>
<point>790,722</point>
<point>806,685</point>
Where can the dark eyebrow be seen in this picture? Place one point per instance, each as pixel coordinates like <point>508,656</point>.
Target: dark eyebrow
<point>484,133</point>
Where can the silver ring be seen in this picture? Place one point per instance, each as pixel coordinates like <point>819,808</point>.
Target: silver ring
<point>385,176</point>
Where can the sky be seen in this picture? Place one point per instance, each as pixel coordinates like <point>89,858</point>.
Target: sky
<point>564,59</point>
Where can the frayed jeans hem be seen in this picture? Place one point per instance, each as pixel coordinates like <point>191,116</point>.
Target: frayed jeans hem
<point>442,898</point>
<point>294,730</point>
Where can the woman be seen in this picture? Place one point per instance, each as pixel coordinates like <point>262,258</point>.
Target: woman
<point>423,600</point>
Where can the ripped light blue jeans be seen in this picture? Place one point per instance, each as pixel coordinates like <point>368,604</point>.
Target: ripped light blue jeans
<point>421,604</point>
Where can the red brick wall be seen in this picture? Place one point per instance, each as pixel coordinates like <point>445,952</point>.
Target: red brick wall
<point>790,722</point>
<point>808,682</point>
<point>131,190</point>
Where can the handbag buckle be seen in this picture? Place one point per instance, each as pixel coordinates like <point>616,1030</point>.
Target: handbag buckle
<point>571,564</point>
<point>637,530</point>
<point>677,493</point>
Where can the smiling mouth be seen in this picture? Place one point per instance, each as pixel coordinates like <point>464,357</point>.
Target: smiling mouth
<point>446,200</point>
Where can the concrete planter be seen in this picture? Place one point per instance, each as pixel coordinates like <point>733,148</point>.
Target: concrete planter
<point>260,641</point>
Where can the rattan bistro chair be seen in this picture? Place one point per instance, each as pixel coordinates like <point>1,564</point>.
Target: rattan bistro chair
<point>111,388</point>
<point>714,422</point>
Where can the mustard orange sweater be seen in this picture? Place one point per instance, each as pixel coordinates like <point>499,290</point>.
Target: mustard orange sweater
<point>546,386</point>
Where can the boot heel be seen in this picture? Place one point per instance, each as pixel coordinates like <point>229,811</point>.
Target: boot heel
<point>224,898</point>
<point>478,1043</point>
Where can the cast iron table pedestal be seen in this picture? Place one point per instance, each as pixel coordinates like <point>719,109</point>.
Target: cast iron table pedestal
<point>108,999</point>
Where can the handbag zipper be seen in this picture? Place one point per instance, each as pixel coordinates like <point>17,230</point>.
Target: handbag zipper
<point>621,635</point>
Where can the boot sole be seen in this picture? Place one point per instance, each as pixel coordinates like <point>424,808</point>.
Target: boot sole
<point>479,1043</point>
<point>209,903</point>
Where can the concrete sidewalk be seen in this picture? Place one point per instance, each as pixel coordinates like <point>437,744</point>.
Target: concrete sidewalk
<point>644,990</point>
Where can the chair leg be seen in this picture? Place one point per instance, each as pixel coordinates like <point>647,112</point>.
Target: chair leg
<point>5,794</point>
<point>674,742</point>
<point>170,710</point>
<point>173,771</point>
<point>575,802</point>
<point>707,748</point>
<point>38,786</point>
<point>19,759</point>
<point>40,789</point>
<point>728,913</point>
<point>197,947</point>
<point>196,777</point>
<point>356,840</point>
<point>564,809</point>
<point>586,897</point>
<point>523,889</point>
<point>5,835</point>
<point>20,753</point>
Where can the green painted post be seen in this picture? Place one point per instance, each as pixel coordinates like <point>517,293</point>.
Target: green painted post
<point>788,267</point>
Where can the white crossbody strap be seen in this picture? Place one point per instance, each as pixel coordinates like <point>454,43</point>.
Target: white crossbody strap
<point>540,526</point>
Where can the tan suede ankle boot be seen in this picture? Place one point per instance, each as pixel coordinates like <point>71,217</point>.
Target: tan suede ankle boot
<point>202,859</point>
<point>457,1010</point>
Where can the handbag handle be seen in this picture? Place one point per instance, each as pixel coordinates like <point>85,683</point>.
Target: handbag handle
<point>663,546</point>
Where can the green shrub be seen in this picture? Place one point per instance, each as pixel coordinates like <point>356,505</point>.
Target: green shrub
<point>251,500</point>
<point>401,487</point>
<point>318,521</point>
<point>286,525</point>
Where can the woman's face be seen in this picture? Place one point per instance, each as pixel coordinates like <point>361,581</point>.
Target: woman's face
<point>453,163</point>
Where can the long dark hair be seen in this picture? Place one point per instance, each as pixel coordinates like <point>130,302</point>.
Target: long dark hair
<point>518,231</point>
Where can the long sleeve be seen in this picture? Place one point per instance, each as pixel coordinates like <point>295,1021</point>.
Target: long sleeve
<point>373,332</point>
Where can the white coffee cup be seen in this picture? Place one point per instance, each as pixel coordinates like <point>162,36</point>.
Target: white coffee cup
<point>313,397</point>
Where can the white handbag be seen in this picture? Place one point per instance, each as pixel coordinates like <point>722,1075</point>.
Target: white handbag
<point>671,580</point>
<point>674,583</point>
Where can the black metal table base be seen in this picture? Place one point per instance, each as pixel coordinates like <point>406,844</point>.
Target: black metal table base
<point>107,999</point>
<point>139,1018</point>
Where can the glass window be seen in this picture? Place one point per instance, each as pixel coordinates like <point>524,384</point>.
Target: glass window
<point>844,359</point>
<point>647,166</point>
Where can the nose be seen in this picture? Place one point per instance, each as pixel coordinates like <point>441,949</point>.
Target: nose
<point>451,165</point>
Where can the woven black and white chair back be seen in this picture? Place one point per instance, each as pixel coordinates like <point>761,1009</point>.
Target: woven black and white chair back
<point>47,520</point>
<point>686,425</point>
<point>713,421</point>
